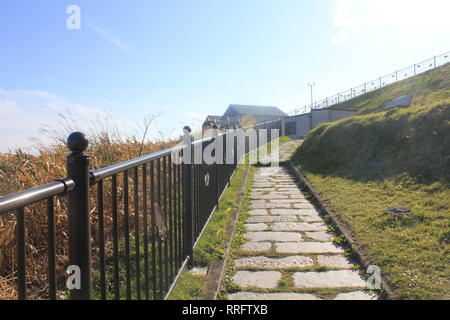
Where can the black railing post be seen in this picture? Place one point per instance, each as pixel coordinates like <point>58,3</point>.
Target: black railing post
<point>235,149</point>
<point>187,196</point>
<point>79,226</point>
<point>216,165</point>
<point>224,156</point>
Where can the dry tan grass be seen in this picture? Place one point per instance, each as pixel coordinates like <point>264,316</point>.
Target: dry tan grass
<point>20,171</point>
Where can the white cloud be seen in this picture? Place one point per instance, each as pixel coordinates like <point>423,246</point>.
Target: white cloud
<point>110,38</point>
<point>340,37</point>
<point>25,112</point>
<point>344,15</point>
<point>410,15</point>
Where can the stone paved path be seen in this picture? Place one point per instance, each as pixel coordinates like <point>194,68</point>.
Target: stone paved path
<point>288,253</point>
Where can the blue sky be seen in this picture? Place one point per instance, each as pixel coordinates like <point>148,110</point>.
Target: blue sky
<point>190,58</point>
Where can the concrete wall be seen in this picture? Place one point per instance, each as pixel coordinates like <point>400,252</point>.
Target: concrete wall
<point>306,122</point>
<point>320,116</point>
<point>336,115</point>
<point>303,125</point>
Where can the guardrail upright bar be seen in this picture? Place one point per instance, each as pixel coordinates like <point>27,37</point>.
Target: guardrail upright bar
<point>79,226</point>
<point>187,196</point>
<point>235,149</point>
<point>216,166</point>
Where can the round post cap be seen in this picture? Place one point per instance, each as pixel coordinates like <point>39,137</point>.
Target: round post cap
<point>77,142</point>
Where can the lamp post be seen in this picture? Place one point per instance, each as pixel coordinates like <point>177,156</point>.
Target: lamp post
<point>312,85</point>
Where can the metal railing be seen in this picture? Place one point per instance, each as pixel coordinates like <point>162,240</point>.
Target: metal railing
<point>380,82</point>
<point>132,226</point>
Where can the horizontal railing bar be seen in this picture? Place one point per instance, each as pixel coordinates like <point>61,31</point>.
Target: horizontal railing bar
<point>27,197</point>
<point>99,174</point>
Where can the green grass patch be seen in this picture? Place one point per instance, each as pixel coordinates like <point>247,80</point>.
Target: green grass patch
<point>409,251</point>
<point>189,287</point>
<point>412,142</point>
<point>212,245</point>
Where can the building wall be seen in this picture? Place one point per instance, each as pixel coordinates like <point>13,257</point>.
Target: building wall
<point>231,121</point>
<point>306,122</point>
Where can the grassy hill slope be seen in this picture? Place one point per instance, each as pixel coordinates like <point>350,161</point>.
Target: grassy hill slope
<point>400,157</point>
<point>413,140</point>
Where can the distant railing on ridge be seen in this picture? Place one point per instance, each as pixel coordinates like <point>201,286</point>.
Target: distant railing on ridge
<point>417,68</point>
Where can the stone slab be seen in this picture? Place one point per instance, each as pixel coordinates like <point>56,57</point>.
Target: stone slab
<point>329,279</point>
<point>299,201</point>
<point>261,190</point>
<point>268,219</point>
<point>320,236</point>
<point>258,212</point>
<point>310,218</point>
<point>256,226</point>
<point>356,295</point>
<point>298,226</point>
<point>293,190</point>
<point>269,205</point>
<point>334,261</point>
<point>264,185</point>
<point>260,279</point>
<point>287,186</point>
<point>288,211</point>
<point>256,247</point>
<point>304,205</point>
<point>307,247</point>
<point>271,296</point>
<point>282,181</point>
<point>269,196</point>
<point>273,236</point>
<point>272,263</point>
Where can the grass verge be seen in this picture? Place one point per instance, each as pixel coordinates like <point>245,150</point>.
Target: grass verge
<point>211,246</point>
<point>413,253</point>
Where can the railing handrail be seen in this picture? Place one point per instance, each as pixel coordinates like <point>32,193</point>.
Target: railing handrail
<point>99,174</point>
<point>14,201</point>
